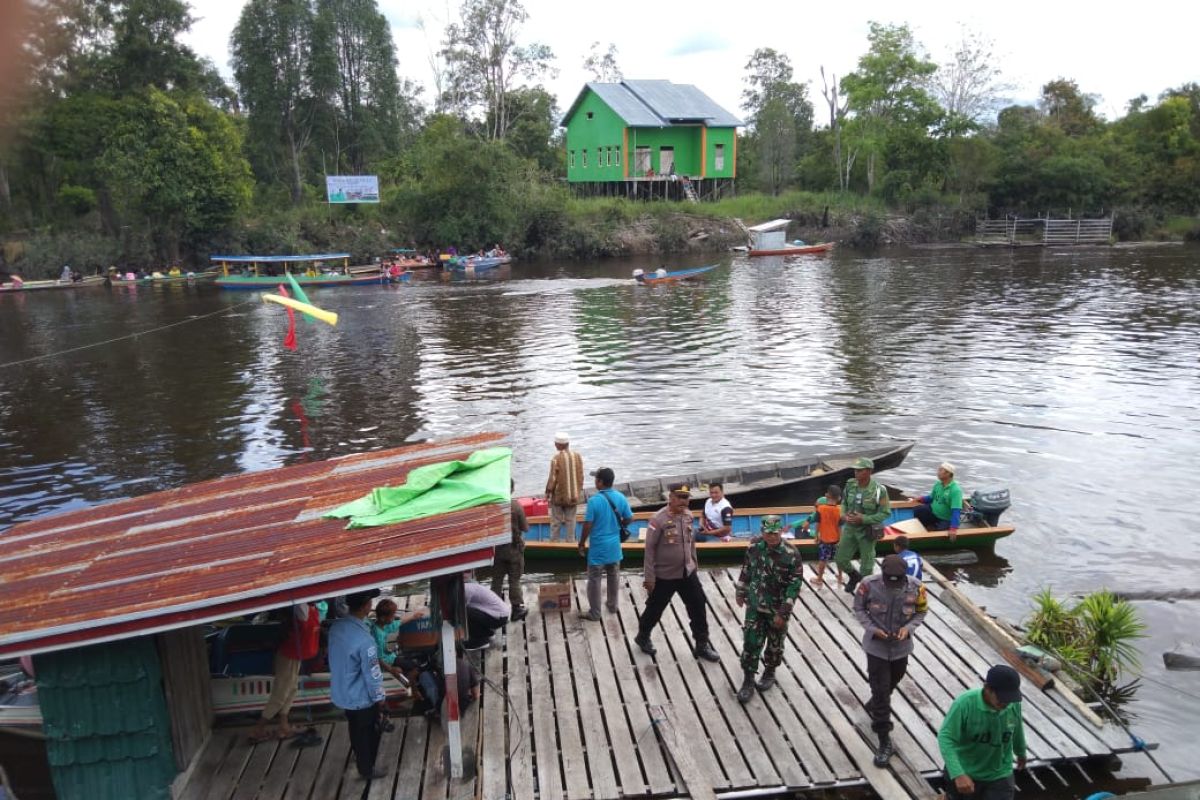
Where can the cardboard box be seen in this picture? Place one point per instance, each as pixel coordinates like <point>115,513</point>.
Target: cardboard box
<point>554,596</point>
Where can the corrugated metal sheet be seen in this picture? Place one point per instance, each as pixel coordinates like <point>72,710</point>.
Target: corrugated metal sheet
<point>229,546</point>
<point>652,104</point>
<point>108,734</point>
<point>773,225</point>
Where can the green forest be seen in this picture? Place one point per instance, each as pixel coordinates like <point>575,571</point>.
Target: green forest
<point>119,145</point>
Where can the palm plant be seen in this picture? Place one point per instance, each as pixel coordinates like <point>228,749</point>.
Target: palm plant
<point>1111,627</point>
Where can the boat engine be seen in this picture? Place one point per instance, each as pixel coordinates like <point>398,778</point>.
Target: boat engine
<point>988,504</point>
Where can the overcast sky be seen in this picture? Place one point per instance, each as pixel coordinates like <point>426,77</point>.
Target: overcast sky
<point>1142,50</point>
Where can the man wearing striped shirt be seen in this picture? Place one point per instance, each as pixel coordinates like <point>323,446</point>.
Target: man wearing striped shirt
<point>564,488</point>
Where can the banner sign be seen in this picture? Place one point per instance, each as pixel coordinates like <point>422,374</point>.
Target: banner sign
<point>352,188</point>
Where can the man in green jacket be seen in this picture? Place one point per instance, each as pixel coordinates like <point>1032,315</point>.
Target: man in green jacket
<point>865,505</point>
<point>941,509</point>
<point>981,733</point>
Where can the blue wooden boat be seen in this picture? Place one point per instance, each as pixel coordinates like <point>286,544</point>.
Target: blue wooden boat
<point>670,276</point>
<point>746,524</point>
<point>477,263</point>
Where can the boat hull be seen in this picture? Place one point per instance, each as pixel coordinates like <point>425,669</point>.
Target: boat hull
<point>745,527</point>
<point>242,283</point>
<point>824,247</point>
<point>41,286</point>
<point>650,279</point>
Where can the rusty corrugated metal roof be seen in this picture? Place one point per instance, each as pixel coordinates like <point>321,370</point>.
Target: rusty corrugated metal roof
<point>228,546</point>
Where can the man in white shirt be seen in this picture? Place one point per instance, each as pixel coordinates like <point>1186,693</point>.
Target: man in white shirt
<point>486,613</point>
<point>716,524</point>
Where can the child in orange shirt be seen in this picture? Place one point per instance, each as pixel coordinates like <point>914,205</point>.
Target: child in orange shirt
<point>828,516</point>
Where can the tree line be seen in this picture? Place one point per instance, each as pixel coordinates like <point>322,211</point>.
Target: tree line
<point>121,145</point>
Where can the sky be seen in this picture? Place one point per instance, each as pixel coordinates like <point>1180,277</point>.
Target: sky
<point>1146,49</point>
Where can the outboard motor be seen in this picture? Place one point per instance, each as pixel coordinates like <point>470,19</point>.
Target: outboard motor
<point>989,504</point>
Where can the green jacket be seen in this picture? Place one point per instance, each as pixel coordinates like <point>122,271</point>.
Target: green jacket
<point>978,741</point>
<point>771,577</point>
<point>871,501</point>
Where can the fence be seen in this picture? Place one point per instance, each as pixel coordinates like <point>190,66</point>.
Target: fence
<point>1039,231</point>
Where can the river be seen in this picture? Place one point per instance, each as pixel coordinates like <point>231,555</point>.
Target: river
<point>1071,377</point>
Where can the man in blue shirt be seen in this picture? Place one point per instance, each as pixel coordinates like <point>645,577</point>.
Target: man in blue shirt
<point>912,561</point>
<point>356,682</point>
<point>607,512</point>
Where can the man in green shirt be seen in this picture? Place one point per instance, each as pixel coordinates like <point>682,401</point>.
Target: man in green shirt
<point>941,509</point>
<point>978,738</point>
<point>865,505</point>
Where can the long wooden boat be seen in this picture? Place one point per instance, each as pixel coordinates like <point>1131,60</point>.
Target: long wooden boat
<point>12,287</point>
<point>477,263</point>
<point>673,276</point>
<point>746,523</point>
<point>794,481</point>
<point>256,283</point>
<point>795,250</point>
<point>252,278</point>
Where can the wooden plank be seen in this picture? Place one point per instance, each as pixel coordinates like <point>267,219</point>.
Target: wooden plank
<point>618,636</point>
<point>333,765</point>
<point>390,748</point>
<point>813,744</point>
<point>297,768</point>
<point>412,759</point>
<point>835,714</point>
<point>678,744</point>
<point>227,773</point>
<point>545,737</point>
<point>839,658</point>
<point>492,753</point>
<point>209,761</point>
<point>593,654</point>
<point>519,748</point>
<point>655,684</point>
<point>570,735</point>
<point>255,771</point>
<point>436,777</point>
<point>464,787</point>
<point>708,700</point>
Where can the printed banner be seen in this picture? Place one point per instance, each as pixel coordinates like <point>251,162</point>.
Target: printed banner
<point>352,188</point>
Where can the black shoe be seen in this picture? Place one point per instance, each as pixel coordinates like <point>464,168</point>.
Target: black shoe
<point>519,613</point>
<point>646,645</point>
<point>885,750</point>
<point>747,691</point>
<point>376,774</point>
<point>705,650</point>
<point>852,584</point>
<point>767,680</point>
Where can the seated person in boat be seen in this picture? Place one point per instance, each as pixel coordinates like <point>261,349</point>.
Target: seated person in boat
<point>716,523</point>
<point>639,275</point>
<point>386,624</point>
<point>66,274</point>
<point>425,675</point>
<point>941,509</point>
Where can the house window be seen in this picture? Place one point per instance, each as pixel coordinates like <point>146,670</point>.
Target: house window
<point>585,159</point>
<point>666,160</point>
<point>571,159</point>
<point>591,114</point>
<point>608,157</point>
<point>618,154</point>
<point>641,160</point>
<point>719,159</point>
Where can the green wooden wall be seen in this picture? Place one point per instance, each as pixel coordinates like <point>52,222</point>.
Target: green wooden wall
<point>598,136</point>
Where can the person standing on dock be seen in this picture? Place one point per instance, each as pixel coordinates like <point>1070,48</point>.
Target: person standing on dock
<point>889,607</point>
<point>510,561</point>
<point>982,732</point>
<point>607,513</point>
<point>671,568</point>
<point>356,682</point>
<point>865,505</point>
<point>564,487</point>
<point>941,509</point>
<point>770,581</point>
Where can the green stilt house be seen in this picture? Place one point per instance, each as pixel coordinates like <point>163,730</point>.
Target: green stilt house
<point>650,139</point>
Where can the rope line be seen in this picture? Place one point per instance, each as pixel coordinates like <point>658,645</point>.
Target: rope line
<point>123,338</point>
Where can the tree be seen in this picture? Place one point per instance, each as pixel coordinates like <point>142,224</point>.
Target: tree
<point>272,58</point>
<point>533,121</point>
<point>604,66</point>
<point>1072,111</point>
<point>970,86</point>
<point>838,107</point>
<point>775,140</point>
<point>485,62</point>
<point>888,89</point>
<point>780,116</point>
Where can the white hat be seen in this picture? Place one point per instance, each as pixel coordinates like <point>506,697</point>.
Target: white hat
<point>946,465</point>
<point>561,438</point>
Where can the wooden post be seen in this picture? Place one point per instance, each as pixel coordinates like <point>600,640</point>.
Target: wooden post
<point>449,592</point>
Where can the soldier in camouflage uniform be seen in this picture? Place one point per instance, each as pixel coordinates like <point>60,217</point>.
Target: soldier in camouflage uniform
<point>772,575</point>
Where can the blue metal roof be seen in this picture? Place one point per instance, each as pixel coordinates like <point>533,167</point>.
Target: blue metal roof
<point>657,104</point>
<point>277,259</point>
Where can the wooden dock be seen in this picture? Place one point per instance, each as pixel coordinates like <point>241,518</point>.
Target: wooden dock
<point>584,714</point>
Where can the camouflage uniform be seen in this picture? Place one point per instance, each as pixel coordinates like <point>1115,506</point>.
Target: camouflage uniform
<point>769,583</point>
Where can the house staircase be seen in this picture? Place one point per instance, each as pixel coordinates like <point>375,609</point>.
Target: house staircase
<point>690,192</point>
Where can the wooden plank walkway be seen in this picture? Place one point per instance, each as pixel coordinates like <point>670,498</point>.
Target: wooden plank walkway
<point>573,710</point>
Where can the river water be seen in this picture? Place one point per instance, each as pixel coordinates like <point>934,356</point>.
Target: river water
<point>1071,377</point>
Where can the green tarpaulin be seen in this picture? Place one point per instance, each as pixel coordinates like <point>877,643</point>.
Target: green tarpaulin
<point>435,489</point>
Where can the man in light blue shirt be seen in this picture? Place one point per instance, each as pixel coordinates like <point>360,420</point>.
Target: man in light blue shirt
<point>356,682</point>
<point>607,512</point>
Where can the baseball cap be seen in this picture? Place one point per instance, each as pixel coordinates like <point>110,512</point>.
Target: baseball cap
<point>1005,682</point>
<point>864,463</point>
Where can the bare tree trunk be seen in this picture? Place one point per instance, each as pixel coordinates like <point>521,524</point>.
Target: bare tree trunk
<point>870,173</point>
<point>836,110</point>
<point>5,192</point>
<point>297,186</point>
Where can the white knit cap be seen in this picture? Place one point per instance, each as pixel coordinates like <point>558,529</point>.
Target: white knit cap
<point>946,465</point>
<point>561,438</point>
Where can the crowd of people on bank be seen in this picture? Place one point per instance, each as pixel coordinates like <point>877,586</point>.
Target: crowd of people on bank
<point>982,732</point>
